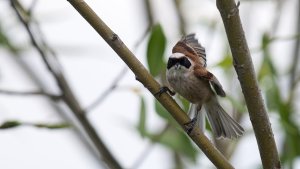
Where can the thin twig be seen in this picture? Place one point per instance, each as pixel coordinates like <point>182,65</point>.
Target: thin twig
<point>59,108</point>
<point>180,17</point>
<point>277,17</point>
<point>106,92</point>
<point>140,40</point>
<point>244,67</point>
<point>149,13</point>
<point>29,93</point>
<point>296,52</point>
<point>68,96</point>
<point>115,82</point>
<point>150,19</point>
<point>24,20</point>
<point>149,82</point>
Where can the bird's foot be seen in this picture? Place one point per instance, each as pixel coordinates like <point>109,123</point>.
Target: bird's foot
<point>163,90</point>
<point>189,126</point>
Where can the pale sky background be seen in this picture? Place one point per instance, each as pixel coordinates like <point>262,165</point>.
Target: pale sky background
<point>90,67</point>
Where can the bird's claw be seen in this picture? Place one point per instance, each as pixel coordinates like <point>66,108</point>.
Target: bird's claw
<point>189,126</point>
<point>163,90</point>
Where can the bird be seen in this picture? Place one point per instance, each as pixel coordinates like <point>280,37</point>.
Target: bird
<point>187,75</point>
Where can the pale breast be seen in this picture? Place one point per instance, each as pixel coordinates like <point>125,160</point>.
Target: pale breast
<point>190,87</point>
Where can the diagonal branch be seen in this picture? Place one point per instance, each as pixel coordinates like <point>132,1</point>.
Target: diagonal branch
<point>67,94</point>
<point>149,82</point>
<point>244,67</point>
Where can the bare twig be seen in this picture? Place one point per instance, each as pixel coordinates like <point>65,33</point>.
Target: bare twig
<point>107,91</point>
<point>149,82</point>
<point>28,93</point>
<point>277,17</point>
<point>180,17</point>
<point>68,96</point>
<point>115,82</point>
<point>22,15</point>
<point>246,75</point>
<point>296,52</point>
<point>149,13</point>
<point>150,19</point>
<point>140,40</point>
<point>59,108</point>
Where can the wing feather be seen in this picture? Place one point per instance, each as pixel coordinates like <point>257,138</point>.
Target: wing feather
<point>202,73</point>
<point>189,45</point>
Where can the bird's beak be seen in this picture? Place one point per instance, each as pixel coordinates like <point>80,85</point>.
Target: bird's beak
<point>177,66</point>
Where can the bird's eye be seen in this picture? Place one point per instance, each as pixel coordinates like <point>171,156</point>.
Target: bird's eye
<point>171,62</point>
<point>185,62</point>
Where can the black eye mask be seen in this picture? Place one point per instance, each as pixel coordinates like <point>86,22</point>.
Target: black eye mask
<point>182,61</point>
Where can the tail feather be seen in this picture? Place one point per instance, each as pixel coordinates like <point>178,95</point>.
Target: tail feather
<point>221,123</point>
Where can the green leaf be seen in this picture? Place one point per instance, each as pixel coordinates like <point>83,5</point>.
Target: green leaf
<point>239,105</point>
<point>155,50</point>
<point>142,120</point>
<point>52,126</point>
<point>14,123</point>
<point>263,71</point>
<point>226,62</point>
<point>266,40</point>
<point>185,103</point>
<point>161,111</point>
<point>9,124</point>
<point>5,42</point>
<point>267,68</point>
<point>179,142</point>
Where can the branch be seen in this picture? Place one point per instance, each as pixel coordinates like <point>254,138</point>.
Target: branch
<point>246,75</point>
<point>149,13</point>
<point>149,82</point>
<point>107,91</point>
<point>29,93</point>
<point>296,53</point>
<point>180,16</point>
<point>68,95</point>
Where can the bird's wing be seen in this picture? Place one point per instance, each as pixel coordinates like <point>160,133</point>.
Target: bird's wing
<point>202,73</point>
<point>189,46</point>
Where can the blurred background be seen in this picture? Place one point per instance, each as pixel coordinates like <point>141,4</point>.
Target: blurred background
<point>65,94</point>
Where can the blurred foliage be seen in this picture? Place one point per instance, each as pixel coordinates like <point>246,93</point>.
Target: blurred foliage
<point>178,142</point>
<point>14,123</point>
<point>226,62</point>
<point>155,50</point>
<point>10,124</point>
<point>269,78</point>
<point>162,112</point>
<point>171,136</point>
<point>52,126</point>
<point>142,120</point>
<point>5,42</point>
